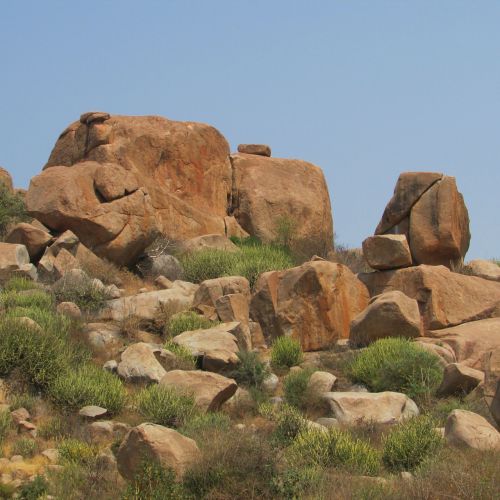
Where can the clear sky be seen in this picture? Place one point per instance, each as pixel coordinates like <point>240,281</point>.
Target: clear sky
<point>364,89</point>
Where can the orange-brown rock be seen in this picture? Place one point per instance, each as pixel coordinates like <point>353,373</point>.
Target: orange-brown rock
<point>34,239</point>
<point>273,195</point>
<point>486,269</point>
<point>122,179</point>
<point>314,303</point>
<point>6,179</point>
<point>255,149</point>
<point>387,251</point>
<point>445,298</point>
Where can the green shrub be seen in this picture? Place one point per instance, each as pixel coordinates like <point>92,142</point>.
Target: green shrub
<point>5,424</point>
<point>184,360</point>
<point>20,284</point>
<point>295,388</point>
<point>334,448</point>
<point>207,264</point>
<point>286,352</point>
<point>27,299</point>
<point>54,428</point>
<point>397,364</point>
<point>81,290</point>
<point>165,405</point>
<point>25,447</point>
<point>12,209</point>
<point>410,443</point>
<point>204,422</point>
<point>74,451</point>
<point>286,229</point>
<point>288,420</point>
<point>250,371</point>
<point>7,490</point>
<point>153,482</point>
<point>88,385</point>
<point>187,321</point>
<point>23,400</point>
<point>297,482</point>
<point>35,489</point>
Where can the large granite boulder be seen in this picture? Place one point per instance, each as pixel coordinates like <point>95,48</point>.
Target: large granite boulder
<point>35,240</point>
<point>486,269</point>
<point>117,181</point>
<point>445,298</point>
<point>428,208</point>
<point>387,251</point>
<point>314,303</point>
<point>470,430</point>
<point>269,190</point>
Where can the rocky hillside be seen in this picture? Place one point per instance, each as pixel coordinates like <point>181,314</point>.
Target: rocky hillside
<point>175,322</point>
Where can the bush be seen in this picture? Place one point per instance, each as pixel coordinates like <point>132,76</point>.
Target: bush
<point>295,388</point>
<point>334,448</point>
<point>165,405</point>
<point>250,371</point>
<point>5,423</point>
<point>54,428</point>
<point>74,451</point>
<point>88,385</point>
<point>12,209</point>
<point>19,284</point>
<point>187,321</point>
<point>25,447</point>
<point>24,400</point>
<point>184,360</point>
<point>35,489</point>
<point>205,422</point>
<point>410,443</point>
<point>288,419</point>
<point>81,290</point>
<point>26,299</point>
<point>397,364</point>
<point>440,409</point>
<point>286,352</point>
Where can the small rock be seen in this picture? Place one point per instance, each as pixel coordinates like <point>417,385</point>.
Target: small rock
<point>19,415</point>
<point>163,282</point>
<point>25,426</point>
<point>51,454</point>
<point>143,290</point>
<point>16,458</point>
<point>69,309</point>
<point>92,412</point>
<point>255,149</point>
<point>321,382</point>
<point>111,366</point>
<point>387,251</point>
<point>406,476</point>
<point>113,292</point>
<point>240,427</point>
<point>459,379</point>
<point>270,383</point>
<point>327,422</point>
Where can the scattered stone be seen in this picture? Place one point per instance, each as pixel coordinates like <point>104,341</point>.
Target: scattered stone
<point>391,314</point>
<point>213,289</point>
<point>355,408</point>
<point>25,426</point>
<point>69,309</point>
<point>210,390</point>
<point>158,443</point>
<point>163,282</point>
<point>139,364</point>
<point>34,239</point>
<point>15,261</point>
<point>254,149</point>
<point>321,382</point>
<point>270,383</point>
<point>387,251</point>
<point>19,415</point>
<point>466,429</point>
<point>459,379</point>
<point>51,454</point>
<point>485,269</point>
<point>92,412</point>
<point>16,459</point>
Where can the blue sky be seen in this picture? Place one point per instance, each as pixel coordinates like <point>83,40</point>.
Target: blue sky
<point>364,89</point>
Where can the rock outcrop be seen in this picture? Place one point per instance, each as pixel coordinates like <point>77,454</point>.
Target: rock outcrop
<point>314,303</point>
<point>6,179</point>
<point>486,269</point>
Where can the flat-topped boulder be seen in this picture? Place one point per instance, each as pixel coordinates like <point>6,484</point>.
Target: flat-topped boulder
<point>486,269</point>
<point>15,261</point>
<point>387,251</point>
<point>255,149</point>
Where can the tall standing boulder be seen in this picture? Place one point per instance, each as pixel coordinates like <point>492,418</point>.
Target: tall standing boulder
<point>271,196</point>
<point>314,303</point>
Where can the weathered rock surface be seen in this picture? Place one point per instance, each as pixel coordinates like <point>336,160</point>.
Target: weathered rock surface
<point>6,179</point>
<point>211,290</point>
<point>445,299</point>
<point>15,260</point>
<point>210,390</point>
<point>266,190</point>
<point>314,303</point>
<point>208,241</point>
<point>122,179</point>
<point>387,251</point>
<point>444,352</point>
<point>255,149</point>
<point>139,363</point>
<point>391,314</point>
<point>466,429</point>
<point>146,305</point>
<point>157,443</point>
<point>69,309</point>
<point>320,382</point>
<point>354,408</point>
<point>103,338</point>
<point>486,269</point>
<point>459,379</point>
<point>34,239</point>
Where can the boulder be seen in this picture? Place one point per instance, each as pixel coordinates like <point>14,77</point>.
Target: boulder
<point>314,303</point>
<point>255,149</point>
<point>146,305</point>
<point>235,307</point>
<point>6,179</point>
<point>486,269</point>
<point>208,241</point>
<point>154,266</point>
<point>15,261</point>
<point>34,239</point>
<point>159,444</point>
<point>69,309</point>
<point>387,251</point>
<point>217,346</point>
<point>445,299</point>
<point>123,179</point>
<point>104,339</point>
<point>469,430</point>
<point>92,412</point>
<point>459,379</point>
<point>391,314</point>
<point>302,201</point>
<point>210,390</point>
<point>139,364</point>
<point>444,352</point>
<point>211,290</point>
<point>355,408</point>
<point>321,382</point>
<point>233,228</point>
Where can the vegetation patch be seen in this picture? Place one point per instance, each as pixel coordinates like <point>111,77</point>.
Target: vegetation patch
<point>187,321</point>
<point>250,371</point>
<point>12,209</point>
<point>184,360</point>
<point>295,388</point>
<point>286,352</point>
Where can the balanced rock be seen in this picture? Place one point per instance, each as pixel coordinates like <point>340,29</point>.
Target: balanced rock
<point>210,390</point>
<point>445,299</point>
<point>255,149</point>
<point>117,181</point>
<point>15,261</point>
<point>313,303</point>
<point>470,430</point>
<point>459,379</point>
<point>269,193</point>
<point>486,269</point>
<point>387,251</point>
<point>391,314</point>
<point>356,408</point>
<point>157,443</point>
<point>34,239</point>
